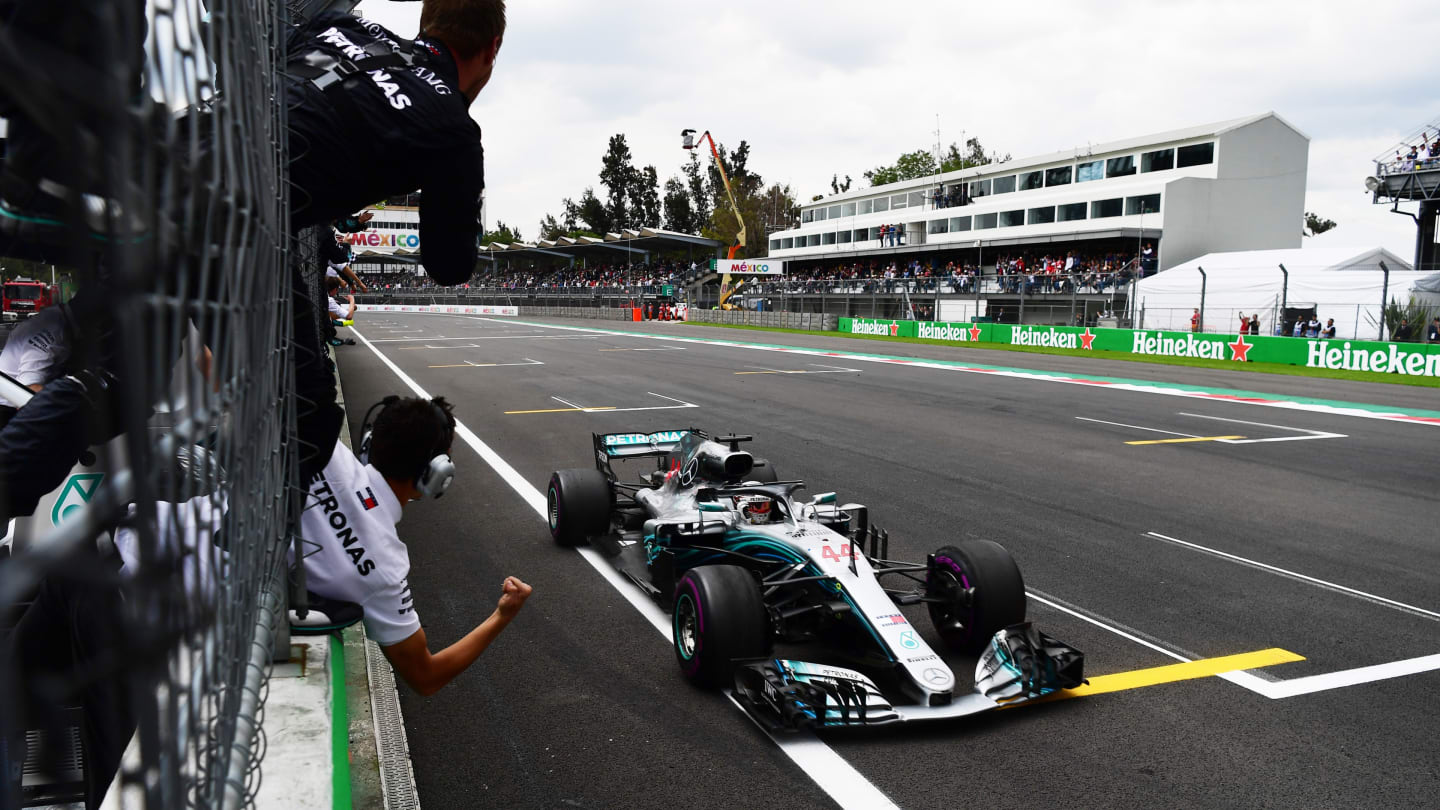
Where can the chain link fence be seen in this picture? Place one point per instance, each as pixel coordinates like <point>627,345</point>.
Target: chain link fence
<point>141,592</point>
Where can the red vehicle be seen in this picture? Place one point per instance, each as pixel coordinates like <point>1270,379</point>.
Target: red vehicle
<point>23,297</point>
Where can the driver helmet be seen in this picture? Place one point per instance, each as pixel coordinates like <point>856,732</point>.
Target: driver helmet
<point>754,509</point>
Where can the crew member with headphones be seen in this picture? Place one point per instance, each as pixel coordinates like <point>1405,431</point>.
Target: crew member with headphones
<point>354,554</point>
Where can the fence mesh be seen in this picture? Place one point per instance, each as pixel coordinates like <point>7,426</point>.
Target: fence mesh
<point>153,134</point>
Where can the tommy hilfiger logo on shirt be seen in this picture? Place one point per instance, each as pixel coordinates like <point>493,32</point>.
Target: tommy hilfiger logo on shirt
<point>367,499</point>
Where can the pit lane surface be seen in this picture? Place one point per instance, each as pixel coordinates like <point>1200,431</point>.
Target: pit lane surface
<point>579,703</point>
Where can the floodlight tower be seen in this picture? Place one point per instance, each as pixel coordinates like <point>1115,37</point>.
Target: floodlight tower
<point>691,142</point>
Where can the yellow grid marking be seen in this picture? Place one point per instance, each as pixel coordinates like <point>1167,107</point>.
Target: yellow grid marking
<point>1186,440</point>
<point>1189,670</point>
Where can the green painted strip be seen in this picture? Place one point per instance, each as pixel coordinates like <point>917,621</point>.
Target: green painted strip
<point>1013,371</point>
<point>339,727</point>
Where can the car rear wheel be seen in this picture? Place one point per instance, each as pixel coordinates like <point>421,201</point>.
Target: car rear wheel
<point>578,504</point>
<point>719,616</point>
<point>982,593</point>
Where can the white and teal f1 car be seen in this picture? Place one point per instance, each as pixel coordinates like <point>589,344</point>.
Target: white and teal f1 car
<point>752,575</point>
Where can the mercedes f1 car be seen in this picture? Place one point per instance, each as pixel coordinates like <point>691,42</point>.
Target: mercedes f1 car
<point>743,565</point>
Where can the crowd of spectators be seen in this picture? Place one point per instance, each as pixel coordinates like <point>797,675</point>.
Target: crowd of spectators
<point>1421,156</point>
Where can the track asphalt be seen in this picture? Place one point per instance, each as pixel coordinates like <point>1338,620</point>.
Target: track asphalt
<point>1331,537</point>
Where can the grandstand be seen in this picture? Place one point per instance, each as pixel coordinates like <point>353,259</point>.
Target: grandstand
<point>1232,185</point>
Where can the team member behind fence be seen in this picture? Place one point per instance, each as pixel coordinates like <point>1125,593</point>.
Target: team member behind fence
<point>358,95</point>
<point>350,518</point>
<point>337,261</point>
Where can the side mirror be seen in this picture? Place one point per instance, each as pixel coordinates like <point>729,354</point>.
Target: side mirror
<point>823,498</point>
<point>713,506</point>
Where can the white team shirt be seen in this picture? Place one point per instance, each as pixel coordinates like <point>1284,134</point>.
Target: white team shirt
<point>350,515</point>
<point>335,309</point>
<point>333,271</point>
<point>35,349</point>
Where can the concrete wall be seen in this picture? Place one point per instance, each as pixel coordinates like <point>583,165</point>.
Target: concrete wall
<point>593,313</point>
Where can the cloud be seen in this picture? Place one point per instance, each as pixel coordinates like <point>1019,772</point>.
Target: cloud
<point>839,87</point>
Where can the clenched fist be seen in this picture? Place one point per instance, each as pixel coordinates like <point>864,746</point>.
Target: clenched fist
<point>513,594</point>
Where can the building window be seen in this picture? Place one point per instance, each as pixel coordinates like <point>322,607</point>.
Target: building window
<point>865,206</point>
<point>882,204</point>
<point>1072,212</point>
<point>917,199</point>
<point>1120,167</point>
<point>874,233</point>
<point>1004,185</point>
<point>1157,161</point>
<point>959,224</point>
<point>1032,180</point>
<point>834,212</point>
<point>984,221</point>
<point>813,240</point>
<point>1040,216</point>
<point>787,243</point>
<point>1144,204</point>
<point>1107,208</point>
<point>1009,219</point>
<point>819,214</point>
<point>774,244</point>
<point>1198,154</point>
<point>808,215</point>
<point>1058,176</point>
<point>1094,170</point>
<point>979,188</point>
<point>939,226</point>
<point>847,210</point>
<point>843,237</point>
<point>827,238</point>
<point>897,202</point>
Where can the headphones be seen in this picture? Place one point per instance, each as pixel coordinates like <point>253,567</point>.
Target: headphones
<point>435,476</point>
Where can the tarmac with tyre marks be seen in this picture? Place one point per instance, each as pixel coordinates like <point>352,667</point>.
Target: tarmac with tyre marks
<point>1268,527</point>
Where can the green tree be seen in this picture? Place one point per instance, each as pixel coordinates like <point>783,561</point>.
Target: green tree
<point>645,198</point>
<point>618,176</point>
<point>679,209</point>
<point>838,187</point>
<point>921,163</point>
<point>1316,224</point>
<point>503,234</point>
<point>589,212</point>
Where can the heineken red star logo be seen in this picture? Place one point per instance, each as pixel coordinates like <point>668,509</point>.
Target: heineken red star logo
<point>1087,339</point>
<point>1239,349</point>
<point>974,333</point>
<point>894,329</point>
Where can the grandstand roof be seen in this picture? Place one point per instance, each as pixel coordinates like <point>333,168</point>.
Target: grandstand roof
<point>643,241</point>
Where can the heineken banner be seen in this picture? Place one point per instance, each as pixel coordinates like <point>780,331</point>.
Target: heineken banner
<point>1351,355</point>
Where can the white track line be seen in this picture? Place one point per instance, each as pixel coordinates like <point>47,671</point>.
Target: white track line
<point>845,785</point>
<point>1137,427</point>
<point>1284,572</point>
<point>1310,434</point>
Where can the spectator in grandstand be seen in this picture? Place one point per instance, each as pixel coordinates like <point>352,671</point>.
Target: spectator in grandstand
<point>404,458</point>
<point>1403,333</point>
<point>1195,320</point>
<point>1432,333</point>
<point>1312,327</point>
<point>1299,329</point>
<point>1329,331</point>
<point>1244,323</point>
<point>1255,324</point>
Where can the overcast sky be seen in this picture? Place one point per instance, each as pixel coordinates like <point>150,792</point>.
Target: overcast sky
<point>843,86</point>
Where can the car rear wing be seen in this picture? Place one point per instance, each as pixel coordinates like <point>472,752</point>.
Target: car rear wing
<point>640,445</point>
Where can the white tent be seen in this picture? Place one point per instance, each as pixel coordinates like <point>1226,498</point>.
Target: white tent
<point>1342,283</point>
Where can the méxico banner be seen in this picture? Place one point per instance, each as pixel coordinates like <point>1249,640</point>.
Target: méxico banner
<point>748,267</point>
<point>1351,355</point>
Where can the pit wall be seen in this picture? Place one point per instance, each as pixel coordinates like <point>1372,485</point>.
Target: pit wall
<point>1412,359</point>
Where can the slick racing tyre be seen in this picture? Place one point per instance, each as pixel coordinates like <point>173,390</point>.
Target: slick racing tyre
<point>719,615</point>
<point>578,505</point>
<point>983,592</point>
<point>764,472</point>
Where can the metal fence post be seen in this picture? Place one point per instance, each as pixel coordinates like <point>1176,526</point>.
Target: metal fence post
<point>1203,281</point>
<point>1384,298</point>
<point>1021,319</point>
<point>1284,288</point>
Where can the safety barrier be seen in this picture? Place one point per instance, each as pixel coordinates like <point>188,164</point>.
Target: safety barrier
<point>1411,359</point>
<point>813,321</point>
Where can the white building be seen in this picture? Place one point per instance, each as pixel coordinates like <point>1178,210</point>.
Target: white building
<point>1233,185</point>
